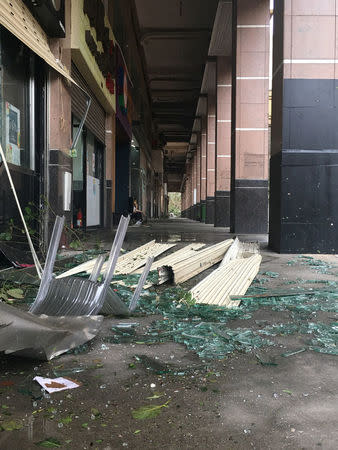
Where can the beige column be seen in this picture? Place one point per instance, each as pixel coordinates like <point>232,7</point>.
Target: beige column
<point>189,189</point>
<point>203,166</point>
<point>198,177</point>
<point>223,142</point>
<point>211,145</point>
<point>194,184</point>
<point>304,138</point>
<point>250,92</point>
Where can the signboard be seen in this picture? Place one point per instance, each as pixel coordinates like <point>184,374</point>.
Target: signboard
<point>12,134</point>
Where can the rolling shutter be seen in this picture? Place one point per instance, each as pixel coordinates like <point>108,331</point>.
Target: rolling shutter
<point>95,120</point>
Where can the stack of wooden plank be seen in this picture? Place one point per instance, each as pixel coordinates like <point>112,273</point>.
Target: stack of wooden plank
<point>233,277</point>
<point>184,269</point>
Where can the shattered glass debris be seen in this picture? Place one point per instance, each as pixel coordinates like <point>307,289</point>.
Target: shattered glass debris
<point>316,264</point>
<point>204,328</point>
<point>271,274</point>
<point>208,330</point>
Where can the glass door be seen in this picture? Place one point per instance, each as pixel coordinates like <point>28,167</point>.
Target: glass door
<point>79,205</point>
<point>94,156</point>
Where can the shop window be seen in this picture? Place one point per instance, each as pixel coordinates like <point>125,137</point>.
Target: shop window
<point>17,101</point>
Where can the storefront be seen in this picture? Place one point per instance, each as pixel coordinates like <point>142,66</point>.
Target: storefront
<point>123,200</point>
<point>87,157</point>
<point>22,123</point>
<point>93,68</point>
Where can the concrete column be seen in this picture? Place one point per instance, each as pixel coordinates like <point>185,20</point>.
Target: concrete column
<point>223,142</point>
<point>211,145</point>
<point>203,166</point>
<point>304,146</point>
<point>250,102</point>
<point>59,115</point>
<point>183,202</point>
<point>188,190</point>
<point>194,185</point>
<point>110,156</point>
<point>198,177</point>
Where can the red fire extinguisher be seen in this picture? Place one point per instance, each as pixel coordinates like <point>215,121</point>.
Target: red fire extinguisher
<point>79,218</point>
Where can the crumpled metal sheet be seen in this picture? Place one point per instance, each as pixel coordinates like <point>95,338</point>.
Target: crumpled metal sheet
<point>74,296</point>
<point>71,297</point>
<point>43,337</point>
<point>114,305</point>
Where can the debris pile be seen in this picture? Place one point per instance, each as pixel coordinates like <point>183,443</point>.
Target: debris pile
<point>200,318</point>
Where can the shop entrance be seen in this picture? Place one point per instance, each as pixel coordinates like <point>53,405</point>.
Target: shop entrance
<point>22,130</point>
<point>87,179</point>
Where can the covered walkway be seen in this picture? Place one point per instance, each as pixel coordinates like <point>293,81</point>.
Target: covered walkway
<point>269,390</point>
<point>179,230</point>
<point>201,98</point>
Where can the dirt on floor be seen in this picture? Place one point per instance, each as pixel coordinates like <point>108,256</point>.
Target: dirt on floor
<point>163,396</point>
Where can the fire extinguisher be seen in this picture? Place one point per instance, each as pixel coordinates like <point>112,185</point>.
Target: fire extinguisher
<point>79,218</point>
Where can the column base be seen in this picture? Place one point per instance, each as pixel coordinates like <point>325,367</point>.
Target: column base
<point>222,209</point>
<point>203,210</point>
<point>193,212</point>
<point>198,212</point>
<point>303,202</point>
<point>210,210</point>
<point>249,210</point>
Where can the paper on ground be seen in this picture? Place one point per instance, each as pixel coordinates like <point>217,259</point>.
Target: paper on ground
<point>52,385</point>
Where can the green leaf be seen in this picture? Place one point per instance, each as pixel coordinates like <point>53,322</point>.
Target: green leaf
<point>15,293</point>
<point>75,245</point>
<point>155,396</point>
<point>49,443</point>
<point>148,412</point>
<point>11,425</point>
<point>6,236</point>
<point>67,420</point>
<point>287,391</point>
<point>85,425</point>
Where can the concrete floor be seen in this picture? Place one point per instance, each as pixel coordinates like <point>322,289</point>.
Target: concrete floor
<point>234,403</point>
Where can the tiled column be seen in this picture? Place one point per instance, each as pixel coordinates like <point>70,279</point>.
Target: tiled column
<point>193,185</point>
<point>183,203</point>
<point>203,166</point>
<point>250,99</point>
<point>184,200</point>
<point>211,146</point>
<point>189,187</point>
<point>304,147</point>
<point>223,142</point>
<point>198,177</point>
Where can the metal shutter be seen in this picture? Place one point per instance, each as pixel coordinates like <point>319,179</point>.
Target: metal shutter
<point>17,18</point>
<point>95,121</point>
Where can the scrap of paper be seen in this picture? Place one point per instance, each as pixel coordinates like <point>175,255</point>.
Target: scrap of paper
<point>52,385</point>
